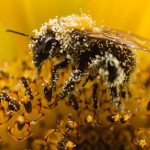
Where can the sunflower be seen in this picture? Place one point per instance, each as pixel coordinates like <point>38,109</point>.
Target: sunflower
<point>27,121</point>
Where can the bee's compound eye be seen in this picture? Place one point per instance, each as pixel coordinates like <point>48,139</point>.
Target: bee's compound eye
<point>48,44</point>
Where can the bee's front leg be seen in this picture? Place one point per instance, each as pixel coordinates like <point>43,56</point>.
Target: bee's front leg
<point>54,79</point>
<point>38,71</point>
<point>70,86</point>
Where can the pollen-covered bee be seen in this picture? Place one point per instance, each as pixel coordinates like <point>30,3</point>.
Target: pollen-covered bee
<point>93,52</point>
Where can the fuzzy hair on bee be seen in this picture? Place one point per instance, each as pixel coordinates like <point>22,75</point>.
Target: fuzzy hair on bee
<point>93,52</point>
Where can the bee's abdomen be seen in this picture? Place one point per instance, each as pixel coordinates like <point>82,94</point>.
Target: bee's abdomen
<point>127,60</point>
<point>114,62</point>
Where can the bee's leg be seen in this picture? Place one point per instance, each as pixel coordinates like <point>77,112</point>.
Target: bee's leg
<point>73,101</point>
<point>116,98</point>
<point>87,79</point>
<point>54,79</point>
<point>38,71</point>
<point>70,85</point>
<point>95,96</point>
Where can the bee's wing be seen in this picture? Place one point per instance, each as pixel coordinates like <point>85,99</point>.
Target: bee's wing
<point>123,38</point>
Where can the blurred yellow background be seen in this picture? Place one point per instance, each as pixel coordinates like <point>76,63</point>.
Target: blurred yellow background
<point>27,15</point>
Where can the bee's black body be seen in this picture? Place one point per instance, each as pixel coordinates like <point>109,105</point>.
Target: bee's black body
<point>92,52</point>
<point>88,56</point>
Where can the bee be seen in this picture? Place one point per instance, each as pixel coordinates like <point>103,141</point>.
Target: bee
<point>93,52</point>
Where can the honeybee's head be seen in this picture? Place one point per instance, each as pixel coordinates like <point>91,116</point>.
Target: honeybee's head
<point>43,47</point>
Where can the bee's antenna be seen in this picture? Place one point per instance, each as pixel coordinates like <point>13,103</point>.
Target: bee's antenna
<point>31,37</point>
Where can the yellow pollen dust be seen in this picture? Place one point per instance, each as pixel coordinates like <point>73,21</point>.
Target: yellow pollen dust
<point>142,143</point>
<point>116,117</point>
<point>70,145</point>
<point>89,119</point>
